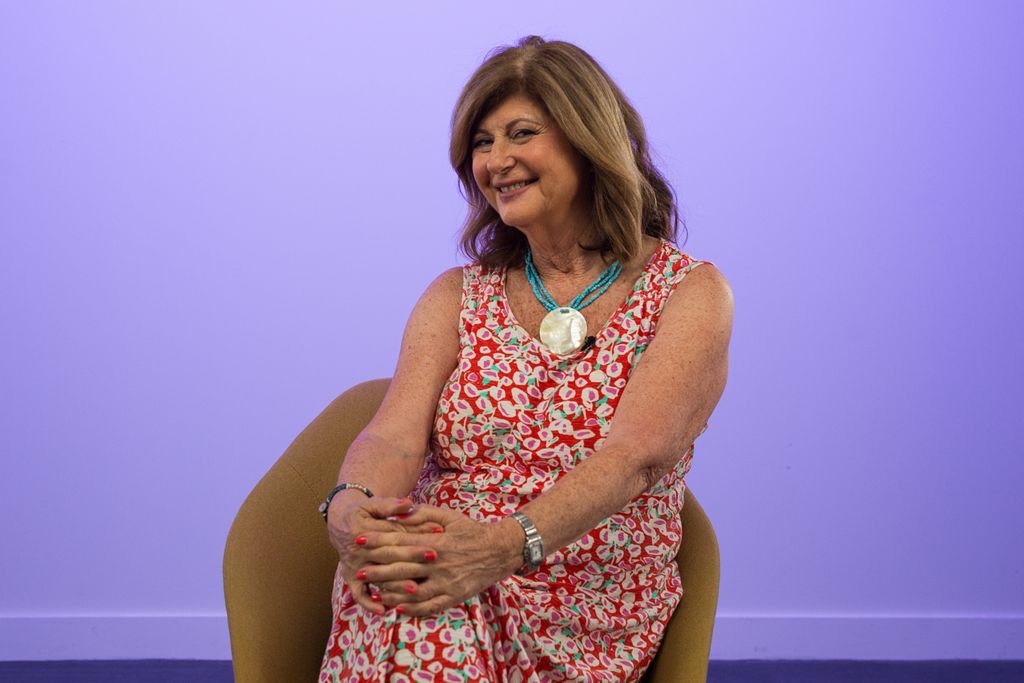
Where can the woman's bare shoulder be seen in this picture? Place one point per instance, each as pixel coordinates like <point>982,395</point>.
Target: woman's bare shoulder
<point>435,316</point>
<point>444,293</point>
<point>429,351</point>
<point>451,278</point>
<point>702,304</point>
<point>708,284</point>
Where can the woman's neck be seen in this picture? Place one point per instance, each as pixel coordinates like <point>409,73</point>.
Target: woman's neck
<point>563,259</point>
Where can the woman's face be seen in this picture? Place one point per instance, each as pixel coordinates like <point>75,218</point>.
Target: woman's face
<point>528,171</point>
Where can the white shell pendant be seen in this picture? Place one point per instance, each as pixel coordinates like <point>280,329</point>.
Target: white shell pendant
<point>563,330</point>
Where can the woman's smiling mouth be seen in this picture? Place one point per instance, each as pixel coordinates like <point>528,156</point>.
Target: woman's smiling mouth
<point>515,188</point>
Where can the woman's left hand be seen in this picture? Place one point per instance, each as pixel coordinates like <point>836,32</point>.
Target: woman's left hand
<point>467,558</point>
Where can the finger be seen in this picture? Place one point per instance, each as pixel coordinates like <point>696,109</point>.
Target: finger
<point>375,593</point>
<point>354,539</point>
<point>382,508</point>
<point>404,538</point>
<point>398,571</point>
<point>367,523</point>
<point>391,554</point>
<point>364,597</point>
<point>367,531</point>
<point>398,592</point>
<point>367,534</point>
<point>424,528</point>
<point>428,514</point>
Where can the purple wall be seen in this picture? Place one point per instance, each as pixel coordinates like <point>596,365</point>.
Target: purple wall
<point>196,198</point>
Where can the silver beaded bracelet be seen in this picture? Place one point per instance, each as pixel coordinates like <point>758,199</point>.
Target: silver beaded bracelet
<point>341,487</point>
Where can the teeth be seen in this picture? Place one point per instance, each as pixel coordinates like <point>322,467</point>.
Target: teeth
<point>511,188</point>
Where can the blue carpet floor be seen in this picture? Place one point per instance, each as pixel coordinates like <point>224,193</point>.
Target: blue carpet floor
<point>754,671</point>
<point>760,671</point>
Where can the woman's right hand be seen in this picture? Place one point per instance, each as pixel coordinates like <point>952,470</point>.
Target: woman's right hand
<point>349,519</point>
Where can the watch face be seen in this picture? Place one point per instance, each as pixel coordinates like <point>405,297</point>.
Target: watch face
<point>535,554</point>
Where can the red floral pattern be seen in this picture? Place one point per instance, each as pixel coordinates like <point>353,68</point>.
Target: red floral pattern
<point>512,419</point>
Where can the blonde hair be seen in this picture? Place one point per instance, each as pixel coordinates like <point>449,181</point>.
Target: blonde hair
<point>630,197</point>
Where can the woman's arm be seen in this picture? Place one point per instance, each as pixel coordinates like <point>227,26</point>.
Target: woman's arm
<point>388,454</point>
<point>669,397</point>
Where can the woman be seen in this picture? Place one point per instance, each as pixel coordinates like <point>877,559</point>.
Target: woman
<point>511,512</point>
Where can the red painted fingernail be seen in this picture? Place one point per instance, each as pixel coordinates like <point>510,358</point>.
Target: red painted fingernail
<point>430,556</point>
<point>439,530</point>
<point>410,589</point>
<point>404,515</point>
<point>361,574</point>
<point>375,597</point>
<point>400,609</point>
<point>360,540</point>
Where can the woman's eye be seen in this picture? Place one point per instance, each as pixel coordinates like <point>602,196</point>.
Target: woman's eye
<point>522,134</point>
<point>482,142</point>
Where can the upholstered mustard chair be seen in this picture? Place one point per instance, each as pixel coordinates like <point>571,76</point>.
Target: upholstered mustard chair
<point>279,565</point>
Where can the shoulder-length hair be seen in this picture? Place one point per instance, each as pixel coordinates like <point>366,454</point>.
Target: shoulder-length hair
<point>630,197</point>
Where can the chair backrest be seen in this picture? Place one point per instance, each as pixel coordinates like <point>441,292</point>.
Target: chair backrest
<point>684,652</point>
<point>279,565</point>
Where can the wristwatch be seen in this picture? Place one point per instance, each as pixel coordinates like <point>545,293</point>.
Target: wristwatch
<point>533,549</point>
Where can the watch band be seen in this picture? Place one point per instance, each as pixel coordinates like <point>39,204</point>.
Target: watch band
<point>533,549</point>
<point>341,487</point>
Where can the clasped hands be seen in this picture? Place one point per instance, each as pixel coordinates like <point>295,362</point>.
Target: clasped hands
<point>418,559</point>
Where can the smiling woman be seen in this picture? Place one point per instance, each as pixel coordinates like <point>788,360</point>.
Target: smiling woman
<point>511,513</point>
<point>567,89</point>
<point>528,171</point>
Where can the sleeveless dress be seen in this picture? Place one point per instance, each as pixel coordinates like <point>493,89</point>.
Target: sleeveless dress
<point>513,418</point>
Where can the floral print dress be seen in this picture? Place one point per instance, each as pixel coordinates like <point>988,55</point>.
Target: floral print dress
<point>512,419</point>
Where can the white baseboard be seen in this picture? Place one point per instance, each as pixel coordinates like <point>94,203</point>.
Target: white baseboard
<point>868,637</point>
<point>205,636</point>
<point>115,636</point>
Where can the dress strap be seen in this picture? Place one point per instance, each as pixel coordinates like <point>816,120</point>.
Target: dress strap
<point>478,286</point>
<point>669,269</point>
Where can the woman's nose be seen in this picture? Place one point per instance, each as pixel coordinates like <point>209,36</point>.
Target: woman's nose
<point>499,159</point>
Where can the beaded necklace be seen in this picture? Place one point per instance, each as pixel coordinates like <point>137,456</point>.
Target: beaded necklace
<point>564,329</point>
